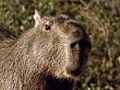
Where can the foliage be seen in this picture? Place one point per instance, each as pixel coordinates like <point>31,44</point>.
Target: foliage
<point>101,19</point>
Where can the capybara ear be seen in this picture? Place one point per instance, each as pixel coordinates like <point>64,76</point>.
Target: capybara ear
<point>62,18</point>
<point>37,18</point>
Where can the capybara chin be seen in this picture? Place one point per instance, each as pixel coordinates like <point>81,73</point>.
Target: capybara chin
<point>50,56</point>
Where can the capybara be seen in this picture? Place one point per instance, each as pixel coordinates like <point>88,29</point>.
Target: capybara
<point>50,56</point>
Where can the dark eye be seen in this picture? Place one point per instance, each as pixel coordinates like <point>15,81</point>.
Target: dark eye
<point>47,27</point>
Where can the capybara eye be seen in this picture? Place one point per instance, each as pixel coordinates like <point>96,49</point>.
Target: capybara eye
<point>47,27</point>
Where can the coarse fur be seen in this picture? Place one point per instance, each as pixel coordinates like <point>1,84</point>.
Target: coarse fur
<point>50,56</point>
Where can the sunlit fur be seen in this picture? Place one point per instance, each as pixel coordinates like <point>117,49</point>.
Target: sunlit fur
<point>39,54</point>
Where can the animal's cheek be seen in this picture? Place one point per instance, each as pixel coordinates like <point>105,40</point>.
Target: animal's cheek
<point>55,57</point>
<point>57,66</point>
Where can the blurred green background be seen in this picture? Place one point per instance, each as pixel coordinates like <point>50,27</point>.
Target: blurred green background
<point>101,18</point>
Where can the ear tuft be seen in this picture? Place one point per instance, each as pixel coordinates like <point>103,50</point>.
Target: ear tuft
<point>64,16</point>
<point>37,18</point>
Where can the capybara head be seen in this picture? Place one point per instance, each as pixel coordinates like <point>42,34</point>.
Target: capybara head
<point>60,47</point>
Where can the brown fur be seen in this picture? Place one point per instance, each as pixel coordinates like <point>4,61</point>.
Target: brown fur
<point>45,59</point>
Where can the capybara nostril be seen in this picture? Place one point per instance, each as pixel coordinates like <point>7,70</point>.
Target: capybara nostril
<point>74,72</point>
<point>72,45</point>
